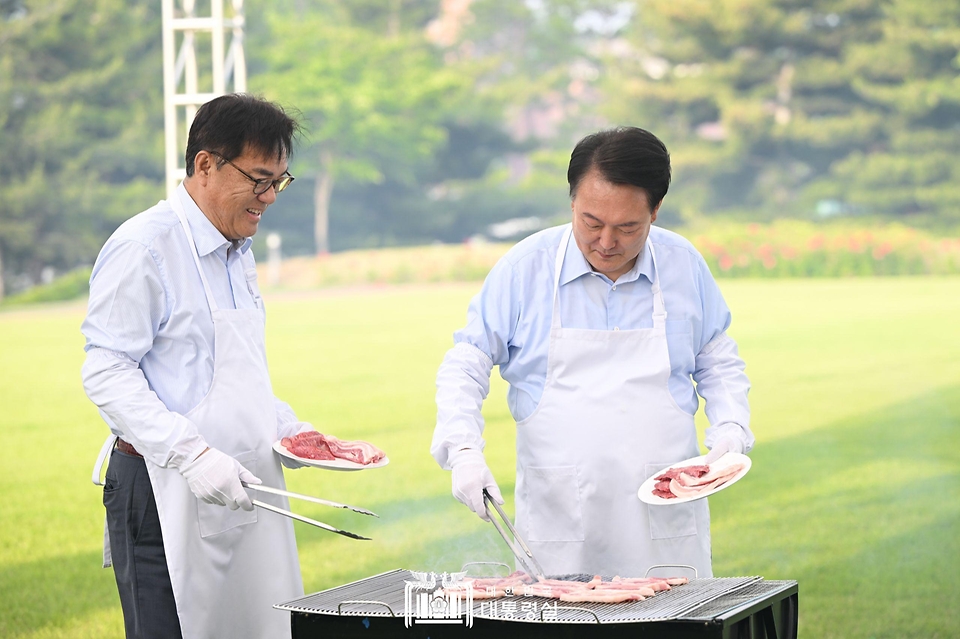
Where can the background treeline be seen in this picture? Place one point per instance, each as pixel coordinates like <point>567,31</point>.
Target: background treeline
<point>428,120</point>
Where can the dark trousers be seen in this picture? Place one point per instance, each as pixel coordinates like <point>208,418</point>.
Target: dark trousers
<point>139,563</point>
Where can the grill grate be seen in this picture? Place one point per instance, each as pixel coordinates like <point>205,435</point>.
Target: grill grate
<point>667,605</point>
<point>747,594</point>
<point>385,588</point>
<point>383,596</point>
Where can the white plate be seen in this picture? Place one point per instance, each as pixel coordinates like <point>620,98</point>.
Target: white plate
<point>329,464</point>
<point>646,488</point>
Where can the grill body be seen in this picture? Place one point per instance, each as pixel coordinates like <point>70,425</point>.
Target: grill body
<point>731,608</point>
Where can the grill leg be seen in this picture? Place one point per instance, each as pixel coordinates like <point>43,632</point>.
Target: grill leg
<point>769,625</point>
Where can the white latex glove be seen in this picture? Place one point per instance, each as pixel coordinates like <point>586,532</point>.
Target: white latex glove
<point>723,446</point>
<point>470,476</point>
<point>292,464</point>
<point>215,478</point>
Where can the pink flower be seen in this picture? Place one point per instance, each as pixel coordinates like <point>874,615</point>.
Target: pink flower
<point>881,251</point>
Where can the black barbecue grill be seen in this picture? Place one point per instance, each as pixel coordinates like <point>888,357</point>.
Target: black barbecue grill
<point>727,608</point>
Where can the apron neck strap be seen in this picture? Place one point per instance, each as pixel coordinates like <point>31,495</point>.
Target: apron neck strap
<point>557,267</point>
<point>659,309</point>
<point>182,216</point>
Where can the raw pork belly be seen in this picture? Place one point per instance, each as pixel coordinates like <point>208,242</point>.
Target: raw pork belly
<point>690,481</point>
<point>315,445</point>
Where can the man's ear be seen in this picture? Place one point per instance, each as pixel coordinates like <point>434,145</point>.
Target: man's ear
<point>653,214</point>
<point>203,165</point>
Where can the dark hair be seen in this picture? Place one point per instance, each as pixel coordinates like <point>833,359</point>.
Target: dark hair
<point>625,155</point>
<point>231,123</point>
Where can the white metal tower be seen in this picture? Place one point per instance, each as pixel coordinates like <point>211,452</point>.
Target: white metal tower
<point>182,91</point>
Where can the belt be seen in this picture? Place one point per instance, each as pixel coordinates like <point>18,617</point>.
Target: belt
<point>124,447</point>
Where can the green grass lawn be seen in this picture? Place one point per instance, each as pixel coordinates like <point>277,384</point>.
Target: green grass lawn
<point>854,491</point>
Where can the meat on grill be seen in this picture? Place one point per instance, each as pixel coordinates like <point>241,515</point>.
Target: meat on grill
<point>690,481</point>
<point>315,445</point>
<point>610,596</point>
<point>616,590</point>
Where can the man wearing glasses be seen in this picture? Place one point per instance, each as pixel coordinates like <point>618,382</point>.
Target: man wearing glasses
<point>176,364</point>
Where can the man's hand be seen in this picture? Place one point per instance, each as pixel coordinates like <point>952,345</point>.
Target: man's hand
<point>722,447</point>
<point>470,476</point>
<point>215,478</point>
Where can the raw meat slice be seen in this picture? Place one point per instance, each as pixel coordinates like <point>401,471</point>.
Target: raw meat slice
<point>695,471</point>
<point>690,481</point>
<point>316,445</point>
<point>356,451</point>
<point>310,445</point>
<point>617,590</point>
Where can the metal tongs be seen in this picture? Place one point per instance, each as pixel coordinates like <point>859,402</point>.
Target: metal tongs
<point>307,520</point>
<point>528,563</point>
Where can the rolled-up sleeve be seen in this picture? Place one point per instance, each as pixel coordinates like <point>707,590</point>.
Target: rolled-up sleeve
<point>127,305</point>
<point>463,382</point>
<point>723,384</point>
<point>720,372</point>
<point>463,379</point>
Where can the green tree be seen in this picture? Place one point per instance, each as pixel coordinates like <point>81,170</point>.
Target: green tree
<point>540,56</point>
<point>80,126</point>
<point>910,77</point>
<point>542,60</point>
<point>784,107</point>
<point>374,93</point>
<point>434,119</point>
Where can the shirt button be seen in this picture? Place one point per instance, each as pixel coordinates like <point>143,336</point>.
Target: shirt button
<point>614,287</point>
<point>616,328</point>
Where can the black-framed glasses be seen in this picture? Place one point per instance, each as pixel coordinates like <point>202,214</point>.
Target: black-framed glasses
<point>261,185</point>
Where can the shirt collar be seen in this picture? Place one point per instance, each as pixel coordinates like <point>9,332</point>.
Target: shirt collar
<point>206,236</point>
<point>576,265</point>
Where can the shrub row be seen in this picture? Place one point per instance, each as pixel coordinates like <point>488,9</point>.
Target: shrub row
<point>797,249</point>
<point>785,248</point>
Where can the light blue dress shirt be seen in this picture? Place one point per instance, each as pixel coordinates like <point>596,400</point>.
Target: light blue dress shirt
<point>508,325</point>
<point>149,332</point>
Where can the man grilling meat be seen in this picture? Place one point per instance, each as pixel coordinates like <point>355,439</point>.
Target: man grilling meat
<point>176,364</point>
<point>601,328</point>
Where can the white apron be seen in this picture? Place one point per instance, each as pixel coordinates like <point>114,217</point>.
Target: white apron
<point>229,567</point>
<point>605,423</point>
